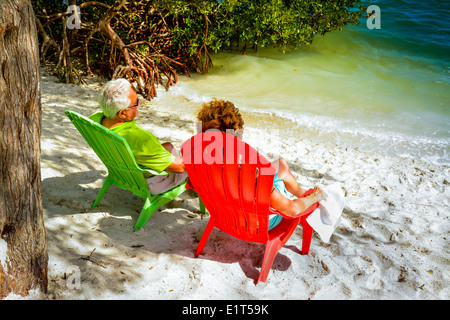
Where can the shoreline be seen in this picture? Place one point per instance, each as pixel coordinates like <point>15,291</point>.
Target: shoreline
<point>352,133</point>
<point>392,242</point>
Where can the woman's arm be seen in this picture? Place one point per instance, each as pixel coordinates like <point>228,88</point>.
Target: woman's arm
<point>293,208</point>
<point>177,165</point>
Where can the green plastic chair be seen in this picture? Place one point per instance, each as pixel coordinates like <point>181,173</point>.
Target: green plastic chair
<point>123,170</point>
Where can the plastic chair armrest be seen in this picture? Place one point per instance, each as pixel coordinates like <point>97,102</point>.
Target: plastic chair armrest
<point>274,211</point>
<point>156,173</point>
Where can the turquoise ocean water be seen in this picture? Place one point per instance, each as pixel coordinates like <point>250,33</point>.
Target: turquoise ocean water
<point>379,90</point>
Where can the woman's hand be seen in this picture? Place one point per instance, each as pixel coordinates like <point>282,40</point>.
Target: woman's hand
<point>317,194</point>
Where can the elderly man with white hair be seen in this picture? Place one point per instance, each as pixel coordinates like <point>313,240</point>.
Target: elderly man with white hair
<point>120,106</point>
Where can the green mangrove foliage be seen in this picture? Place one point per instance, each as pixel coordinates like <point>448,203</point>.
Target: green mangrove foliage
<point>150,42</point>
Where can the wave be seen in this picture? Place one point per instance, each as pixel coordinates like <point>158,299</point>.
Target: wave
<point>372,137</point>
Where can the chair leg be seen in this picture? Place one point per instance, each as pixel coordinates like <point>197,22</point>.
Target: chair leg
<point>204,238</point>
<point>150,206</point>
<point>152,203</point>
<point>103,190</point>
<point>146,213</point>
<point>203,209</point>
<point>307,236</point>
<point>271,251</point>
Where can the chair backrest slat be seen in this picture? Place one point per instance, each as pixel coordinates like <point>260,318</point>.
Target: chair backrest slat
<point>114,152</point>
<point>234,182</point>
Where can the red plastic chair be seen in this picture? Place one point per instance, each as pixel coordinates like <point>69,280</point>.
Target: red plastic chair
<point>235,182</point>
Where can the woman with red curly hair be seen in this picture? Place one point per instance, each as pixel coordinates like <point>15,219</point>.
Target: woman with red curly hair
<point>223,115</point>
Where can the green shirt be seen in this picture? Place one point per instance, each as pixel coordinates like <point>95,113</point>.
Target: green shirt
<point>146,148</point>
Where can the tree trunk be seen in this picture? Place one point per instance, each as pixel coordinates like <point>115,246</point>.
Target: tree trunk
<point>23,241</point>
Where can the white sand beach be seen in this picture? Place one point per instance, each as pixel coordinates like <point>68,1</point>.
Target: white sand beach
<point>392,243</point>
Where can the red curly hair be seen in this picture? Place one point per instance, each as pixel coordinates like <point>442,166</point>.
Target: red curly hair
<point>220,115</point>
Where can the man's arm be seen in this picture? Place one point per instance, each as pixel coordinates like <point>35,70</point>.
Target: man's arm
<point>177,165</point>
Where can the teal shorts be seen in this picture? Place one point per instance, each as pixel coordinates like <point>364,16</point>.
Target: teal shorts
<point>279,185</point>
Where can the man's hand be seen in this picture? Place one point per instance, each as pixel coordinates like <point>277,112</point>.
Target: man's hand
<point>177,166</point>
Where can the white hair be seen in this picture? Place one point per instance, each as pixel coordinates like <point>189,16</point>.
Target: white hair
<point>114,97</point>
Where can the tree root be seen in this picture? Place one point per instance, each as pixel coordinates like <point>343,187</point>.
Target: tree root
<point>147,69</point>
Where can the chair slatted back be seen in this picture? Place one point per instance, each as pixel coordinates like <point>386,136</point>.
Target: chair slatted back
<point>114,152</point>
<point>234,182</point>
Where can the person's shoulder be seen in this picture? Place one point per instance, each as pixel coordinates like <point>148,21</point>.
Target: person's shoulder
<point>135,129</point>
<point>132,125</point>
